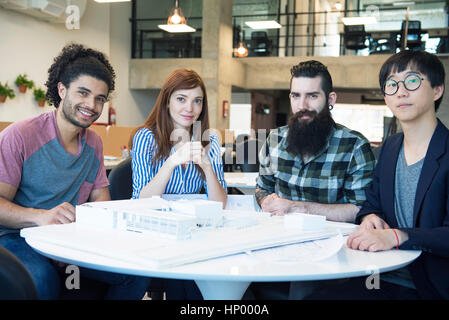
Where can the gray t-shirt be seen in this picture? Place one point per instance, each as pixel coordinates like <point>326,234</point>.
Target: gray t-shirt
<point>405,189</point>
<point>33,160</point>
<point>406,182</point>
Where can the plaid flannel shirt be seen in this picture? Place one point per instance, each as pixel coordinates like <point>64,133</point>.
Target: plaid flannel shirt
<point>339,173</point>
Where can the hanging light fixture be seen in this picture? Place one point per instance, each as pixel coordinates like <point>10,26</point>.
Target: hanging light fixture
<point>176,16</point>
<point>241,51</point>
<point>338,5</point>
<point>176,22</point>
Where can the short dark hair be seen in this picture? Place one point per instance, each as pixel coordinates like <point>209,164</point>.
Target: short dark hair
<point>312,69</point>
<point>73,61</point>
<point>426,63</point>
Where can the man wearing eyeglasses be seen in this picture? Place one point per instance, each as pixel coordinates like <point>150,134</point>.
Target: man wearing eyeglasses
<point>52,162</point>
<point>407,204</point>
<point>314,165</point>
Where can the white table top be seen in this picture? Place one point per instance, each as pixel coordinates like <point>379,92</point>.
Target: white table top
<point>241,179</point>
<point>228,277</point>
<point>244,267</point>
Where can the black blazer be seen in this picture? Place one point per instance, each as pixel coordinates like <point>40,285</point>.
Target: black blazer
<point>430,232</point>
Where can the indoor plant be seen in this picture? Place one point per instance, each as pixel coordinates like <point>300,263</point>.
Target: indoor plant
<point>39,95</point>
<point>6,92</point>
<point>23,83</point>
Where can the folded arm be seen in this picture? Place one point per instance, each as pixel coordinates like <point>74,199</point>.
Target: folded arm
<point>16,217</point>
<point>271,202</point>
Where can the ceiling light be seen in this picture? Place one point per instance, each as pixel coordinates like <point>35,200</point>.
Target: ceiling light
<point>338,6</point>
<point>241,51</point>
<point>350,21</point>
<point>176,28</point>
<point>269,24</point>
<point>403,3</point>
<point>176,22</point>
<point>108,1</point>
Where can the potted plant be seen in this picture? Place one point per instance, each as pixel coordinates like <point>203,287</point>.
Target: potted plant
<point>23,83</point>
<point>6,92</point>
<point>39,95</point>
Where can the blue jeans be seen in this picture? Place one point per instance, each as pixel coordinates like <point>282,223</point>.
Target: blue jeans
<point>46,276</point>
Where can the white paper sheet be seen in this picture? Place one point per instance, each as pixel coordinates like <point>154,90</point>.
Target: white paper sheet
<point>241,203</point>
<point>310,251</point>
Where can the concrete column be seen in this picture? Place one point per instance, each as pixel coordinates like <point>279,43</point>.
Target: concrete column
<point>443,111</point>
<point>216,57</point>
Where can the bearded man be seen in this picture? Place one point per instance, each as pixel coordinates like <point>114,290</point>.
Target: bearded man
<point>314,165</point>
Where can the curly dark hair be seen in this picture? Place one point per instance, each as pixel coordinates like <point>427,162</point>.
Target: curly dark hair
<point>73,61</point>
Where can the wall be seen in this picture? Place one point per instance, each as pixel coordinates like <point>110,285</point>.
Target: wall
<point>261,120</point>
<point>29,46</point>
<point>132,106</point>
<point>443,111</point>
<point>263,72</point>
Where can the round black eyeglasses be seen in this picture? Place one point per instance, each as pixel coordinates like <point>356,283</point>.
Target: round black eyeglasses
<point>411,82</point>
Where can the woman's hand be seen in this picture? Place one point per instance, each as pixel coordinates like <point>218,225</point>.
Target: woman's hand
<point>186,152</point>
<point>203,161</point>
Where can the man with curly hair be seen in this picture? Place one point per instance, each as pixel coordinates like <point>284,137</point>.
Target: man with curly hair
<point>53,162</point>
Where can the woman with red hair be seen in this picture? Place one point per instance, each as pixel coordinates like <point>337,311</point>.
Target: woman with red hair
<point>174,151</point>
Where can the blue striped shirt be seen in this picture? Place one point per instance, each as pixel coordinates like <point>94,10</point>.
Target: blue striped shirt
<point>181,181</point>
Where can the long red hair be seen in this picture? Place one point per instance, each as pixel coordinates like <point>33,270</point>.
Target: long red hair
<point>159,120</point>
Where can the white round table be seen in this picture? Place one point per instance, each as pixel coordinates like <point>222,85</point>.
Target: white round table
<point>228,277</point>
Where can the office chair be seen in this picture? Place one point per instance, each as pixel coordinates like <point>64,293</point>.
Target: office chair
<point>376,152</point>
<point>382,46</point>
<point>121,188</point>
<point>227,157</point>
<point>120,181</point>
<point>247,155</point>
<point>414,32</point>
<point>354,37</point>
<point>260,44</point>
<point>15,281</point>
<point>443,45</point>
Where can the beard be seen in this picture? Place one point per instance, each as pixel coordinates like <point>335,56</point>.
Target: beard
<point>307,137</point>
<point>69,112</point>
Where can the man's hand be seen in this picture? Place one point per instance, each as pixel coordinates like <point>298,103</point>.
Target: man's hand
<point>64,213</point>
<point>276,205</point>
